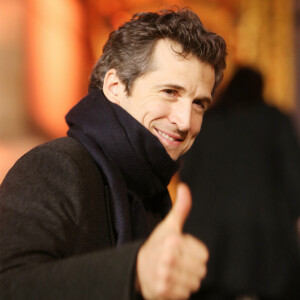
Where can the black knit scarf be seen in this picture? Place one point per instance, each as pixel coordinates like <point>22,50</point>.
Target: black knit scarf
<point>135,164</point>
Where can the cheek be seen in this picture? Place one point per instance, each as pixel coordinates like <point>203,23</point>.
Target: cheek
<point>196,124</point>
<point>156,111</point>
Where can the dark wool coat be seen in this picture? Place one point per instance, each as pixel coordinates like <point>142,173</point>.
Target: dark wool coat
<point>50,249</point>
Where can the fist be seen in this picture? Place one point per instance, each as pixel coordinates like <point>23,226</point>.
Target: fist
<point>170,264</point>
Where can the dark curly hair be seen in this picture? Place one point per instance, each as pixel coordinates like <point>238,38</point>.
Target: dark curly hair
<point>129,49</point>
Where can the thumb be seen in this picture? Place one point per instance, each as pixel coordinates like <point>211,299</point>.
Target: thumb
<point>181,208</point>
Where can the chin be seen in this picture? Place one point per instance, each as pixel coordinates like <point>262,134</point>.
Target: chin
<point>173,156</point>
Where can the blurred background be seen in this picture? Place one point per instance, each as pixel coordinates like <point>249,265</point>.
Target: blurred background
<point>48,48</point>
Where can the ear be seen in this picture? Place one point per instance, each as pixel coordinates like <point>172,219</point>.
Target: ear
<point>113,88</point>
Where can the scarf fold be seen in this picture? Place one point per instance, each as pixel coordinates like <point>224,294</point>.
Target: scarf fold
<point>135,164</point>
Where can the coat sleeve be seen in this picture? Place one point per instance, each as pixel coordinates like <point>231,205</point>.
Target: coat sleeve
<point>42,252</point>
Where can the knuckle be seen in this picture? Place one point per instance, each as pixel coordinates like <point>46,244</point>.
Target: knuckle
<point>173,241</point>
<point>164,275</point>
<point>171,251</point>
<point>165,281</point>
<point>162,289</point>
<point>205,253</point>
<point>204,271</point>
<point>196,286</point>
<point>186,294</point>
<point>169,259</point>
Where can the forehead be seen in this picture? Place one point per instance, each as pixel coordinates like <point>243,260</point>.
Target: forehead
<point>166,50</point>
<point>168,46</point>
<point>169,65</point>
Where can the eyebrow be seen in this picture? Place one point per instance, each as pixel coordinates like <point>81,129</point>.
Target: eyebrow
<point>181,88</point>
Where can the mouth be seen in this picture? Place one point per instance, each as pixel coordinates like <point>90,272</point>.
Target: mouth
<point>173,143</point>
<point>169,137</point>
<point>166,136</point>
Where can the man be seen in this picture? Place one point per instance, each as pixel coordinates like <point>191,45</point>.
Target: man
<point>75,212</point>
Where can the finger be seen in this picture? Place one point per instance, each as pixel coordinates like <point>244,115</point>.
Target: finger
<point>177,285</point>
<point>180,211</point>
<point>195,248</point>
<point>183,283</point>
<point>194,256</point>
<point>193,266</point>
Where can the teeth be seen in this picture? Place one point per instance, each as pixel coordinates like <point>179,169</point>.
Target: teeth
<point>166,136</point>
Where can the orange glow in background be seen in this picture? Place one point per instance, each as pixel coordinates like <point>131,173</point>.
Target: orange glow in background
<point>48,48</point>
<point>56,61</point>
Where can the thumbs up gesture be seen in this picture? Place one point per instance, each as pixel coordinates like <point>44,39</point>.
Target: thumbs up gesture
<point>171,264</point>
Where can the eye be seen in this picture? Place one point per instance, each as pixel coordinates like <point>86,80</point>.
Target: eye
<point>170,92</point>
<point>200,104</point>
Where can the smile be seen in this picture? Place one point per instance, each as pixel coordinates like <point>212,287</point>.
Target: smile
<point>165,136</point>
<point>168,137</point>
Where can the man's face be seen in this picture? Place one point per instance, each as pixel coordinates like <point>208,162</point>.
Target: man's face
<point>171,99</point>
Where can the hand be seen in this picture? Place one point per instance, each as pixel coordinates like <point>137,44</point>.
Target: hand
<point>171,264</point>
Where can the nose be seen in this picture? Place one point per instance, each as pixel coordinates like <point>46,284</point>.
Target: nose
<point>181,115</point>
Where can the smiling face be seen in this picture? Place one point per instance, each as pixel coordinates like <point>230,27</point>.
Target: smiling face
<point>171,99</point>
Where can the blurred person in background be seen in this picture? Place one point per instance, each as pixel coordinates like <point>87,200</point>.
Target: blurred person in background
<point>244,174</point>
<point>89,216</point>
